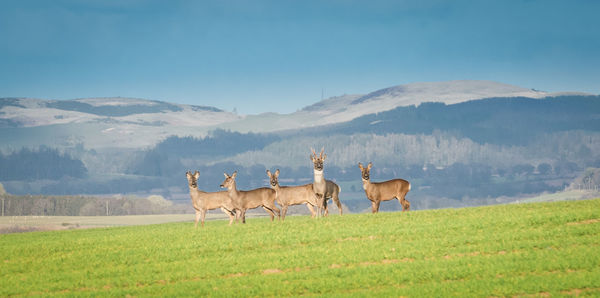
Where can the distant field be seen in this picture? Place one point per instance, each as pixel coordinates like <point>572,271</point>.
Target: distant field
<point>33,223</point>
<point>535,249</point>
<point>561,196</point>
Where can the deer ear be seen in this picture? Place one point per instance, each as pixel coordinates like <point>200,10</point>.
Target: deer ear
<point>234,174</point>
<point>196,174</point>
<point>269,173</point>
<point>226,176</point>
<point>324,155</point>
<point>369,166</point>
<point>277,173</point>
<point>360,166</point>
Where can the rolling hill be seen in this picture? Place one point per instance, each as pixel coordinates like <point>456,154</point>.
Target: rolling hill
<point>139,123</point>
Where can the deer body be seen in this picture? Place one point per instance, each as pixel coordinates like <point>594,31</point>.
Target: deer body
<point>250,199</point>
<point>292,195</point>
<point>203,201</point>
<point>324,189</point>
<point>384,191</point>
<point>332,191</point>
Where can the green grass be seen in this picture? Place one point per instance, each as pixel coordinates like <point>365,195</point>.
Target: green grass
<point>506,250</point>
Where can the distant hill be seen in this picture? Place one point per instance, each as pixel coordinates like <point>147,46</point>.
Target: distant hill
<point>138,123</point>
<point>28,112</point>
<point>348,107</point>
<point>102,122</point>
<point>504,121</point>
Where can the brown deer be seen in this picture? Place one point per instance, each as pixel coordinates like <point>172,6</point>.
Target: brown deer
<point>292,195</point>
<point>325,189</point>
<point>384,191</point>
<point>203,201</point>
<point>250,199</point>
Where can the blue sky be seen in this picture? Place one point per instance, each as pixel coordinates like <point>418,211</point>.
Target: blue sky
<point>278,56</point>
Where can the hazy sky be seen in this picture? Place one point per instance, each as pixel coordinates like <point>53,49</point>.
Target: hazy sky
<point>260,56</point>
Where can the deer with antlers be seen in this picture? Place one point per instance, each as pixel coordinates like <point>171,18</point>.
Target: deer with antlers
<point>292,195</point>
<point>384,191</point>
<point>324,189</point>
<point>250,199</point>
<point>203,201</point>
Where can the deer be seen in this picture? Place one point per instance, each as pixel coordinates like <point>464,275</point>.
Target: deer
<point>292,195</point>
<point>203,201</point>
<point>384,191</point>
<point>324,189</point>
<point>250,199</point>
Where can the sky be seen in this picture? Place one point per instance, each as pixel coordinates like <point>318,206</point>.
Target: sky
<point>280,56</point>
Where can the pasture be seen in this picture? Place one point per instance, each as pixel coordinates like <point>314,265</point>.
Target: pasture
<point>506,250</point>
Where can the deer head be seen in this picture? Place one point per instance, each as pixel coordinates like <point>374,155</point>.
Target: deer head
<point>192,178</point>
<point>318,160</point>
<point>229,181</point>
<point>365,171</point>
<point>273,178</point>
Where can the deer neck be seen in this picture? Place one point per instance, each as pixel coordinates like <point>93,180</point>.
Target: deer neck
<point>319,177</point>
<point>195,195</point>
<point>276,188</point>
<point>193,191</point>
<point>366,183</point>
<point>232,190</point>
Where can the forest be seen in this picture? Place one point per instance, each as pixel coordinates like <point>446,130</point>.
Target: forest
<point>41,163</point>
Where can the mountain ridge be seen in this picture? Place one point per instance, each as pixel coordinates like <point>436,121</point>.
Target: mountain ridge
<point>134,122</point>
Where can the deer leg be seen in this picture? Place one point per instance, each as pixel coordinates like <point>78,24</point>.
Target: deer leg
<point>405,204</point>
<point>203,214</point>
<point>311,209</point>
<point>237,213</point>
<point>275,210</point>
<point>326,210</point>
<point>243,215</point>
<point>283,212</point>
<point>197,219</point>
<point>229,213</point>
<point>375,206</point>
<point>336,199</point>
<point>320,199</point>
<point>270,212</point>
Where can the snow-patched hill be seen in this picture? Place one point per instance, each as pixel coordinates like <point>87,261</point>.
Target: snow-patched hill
<point>28,112</point>
<point>347,107</point>
<point>103,122</point>
<point>135,123</point>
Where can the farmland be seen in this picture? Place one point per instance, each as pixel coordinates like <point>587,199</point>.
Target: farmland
<point>505,250</point>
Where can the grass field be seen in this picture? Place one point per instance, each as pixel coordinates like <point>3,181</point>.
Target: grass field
<point>507,250</point>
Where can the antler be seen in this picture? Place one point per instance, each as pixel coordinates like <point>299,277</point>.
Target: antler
<point>322,150</point>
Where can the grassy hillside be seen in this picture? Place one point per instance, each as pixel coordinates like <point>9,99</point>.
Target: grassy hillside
<point>517,249</point>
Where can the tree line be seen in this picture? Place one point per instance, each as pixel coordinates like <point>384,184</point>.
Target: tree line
<point>42,163</point>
